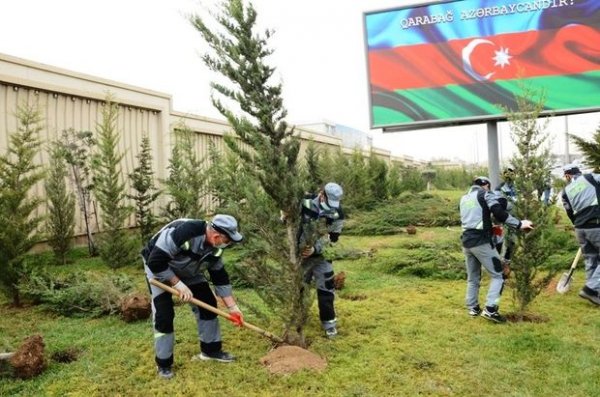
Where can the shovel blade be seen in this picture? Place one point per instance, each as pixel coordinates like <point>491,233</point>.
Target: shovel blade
<point>564,284</point>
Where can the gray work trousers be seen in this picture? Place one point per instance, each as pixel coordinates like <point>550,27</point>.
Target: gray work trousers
<point>487,257</point>
<point>163,314</point>
<point>321,270</point>
<point>589,240</point>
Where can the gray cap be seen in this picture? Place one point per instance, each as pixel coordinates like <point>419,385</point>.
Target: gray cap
<point>334,194</point>
<point>571,169</point>
<point>226,224</point>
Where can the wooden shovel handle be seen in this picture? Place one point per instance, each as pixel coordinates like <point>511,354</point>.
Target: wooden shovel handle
<point>577,257</point>
<point>215,310</point>
<point>573,265</point>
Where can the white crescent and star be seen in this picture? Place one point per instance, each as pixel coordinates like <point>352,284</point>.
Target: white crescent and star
<point>501,57</point>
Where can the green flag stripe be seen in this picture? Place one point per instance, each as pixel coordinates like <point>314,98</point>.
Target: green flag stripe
<point>466,101</point>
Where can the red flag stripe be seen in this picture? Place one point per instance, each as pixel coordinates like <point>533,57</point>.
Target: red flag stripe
<point>570,50</point>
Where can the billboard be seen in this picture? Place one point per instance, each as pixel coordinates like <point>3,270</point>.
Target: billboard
<point>456,62</point>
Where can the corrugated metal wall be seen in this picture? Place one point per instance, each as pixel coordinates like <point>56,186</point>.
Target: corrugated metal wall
<point>62,112</point>
<point>71,100</point>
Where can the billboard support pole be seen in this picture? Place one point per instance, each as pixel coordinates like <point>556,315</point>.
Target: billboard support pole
<point>567,154</point>
<point>493,157</point>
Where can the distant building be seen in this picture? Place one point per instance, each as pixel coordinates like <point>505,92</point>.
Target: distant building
<point>351,137</point>
<point>447,164</point>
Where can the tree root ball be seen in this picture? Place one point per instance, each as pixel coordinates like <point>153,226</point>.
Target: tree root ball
<point>289,359</point>
<point>29,360</point>
<point>135,307</point>
<point>339,280</point>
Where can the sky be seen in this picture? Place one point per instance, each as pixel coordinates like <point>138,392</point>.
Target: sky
<point>319,54</point>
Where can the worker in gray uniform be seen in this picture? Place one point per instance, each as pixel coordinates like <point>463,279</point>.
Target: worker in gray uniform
<point>476,210</point>
<point>507,190</point>
<point>322,220</point>
<point>580,199</point>
<point>179,255</point>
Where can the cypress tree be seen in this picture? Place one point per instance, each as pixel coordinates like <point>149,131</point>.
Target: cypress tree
<point>268,150</point>
<point>60,223</point>
<point>18,175</point>
<point>314,173</point>
<point>378,177</point>
<point>116,247</point>
<point>591,149</point>
<point>142,180</point>
<point>532,165</point>
<point>186,184</point>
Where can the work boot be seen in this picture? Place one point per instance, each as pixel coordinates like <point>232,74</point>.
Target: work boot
<point>220,356</point>
<point>331,333</point>
<point>475,311</point>
<point>165,372</point>
<point>491,313</point>
<point>590,294</point>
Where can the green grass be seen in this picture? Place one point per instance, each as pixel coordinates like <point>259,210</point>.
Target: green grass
<point>399,336</point>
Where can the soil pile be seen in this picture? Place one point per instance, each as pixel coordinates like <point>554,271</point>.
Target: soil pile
<point>29,360</point>
<point>135,307</point>
<point>290,359</point>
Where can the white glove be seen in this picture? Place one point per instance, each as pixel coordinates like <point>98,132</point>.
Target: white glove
<point>185,294</point>
<point>526,225</point>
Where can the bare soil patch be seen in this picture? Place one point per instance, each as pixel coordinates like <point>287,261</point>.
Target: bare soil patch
<point>354,297</point>
<point>289,359</point>
<point>527,318</point>
<point>66,356</point>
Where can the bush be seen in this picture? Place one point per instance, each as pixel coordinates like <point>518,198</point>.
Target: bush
<point>421,259</point>
<point>80,294</point>
<point>420,209</point>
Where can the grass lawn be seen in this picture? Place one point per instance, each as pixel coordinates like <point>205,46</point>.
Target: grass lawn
<point>399,336</point>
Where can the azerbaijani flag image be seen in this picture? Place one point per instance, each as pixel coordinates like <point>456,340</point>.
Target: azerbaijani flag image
<point>463,61</point>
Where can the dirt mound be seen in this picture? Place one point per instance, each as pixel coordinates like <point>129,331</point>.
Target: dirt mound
<point>135,307</point>
<point>290,359</point>
<point>29,360</point>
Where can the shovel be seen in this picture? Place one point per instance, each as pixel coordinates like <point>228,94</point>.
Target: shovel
<point>210,308</point>
<point>564,284</point>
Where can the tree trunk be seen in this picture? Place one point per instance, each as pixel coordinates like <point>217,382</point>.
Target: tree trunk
<point>295,330</point>
<point>16,297</point>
